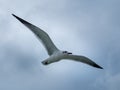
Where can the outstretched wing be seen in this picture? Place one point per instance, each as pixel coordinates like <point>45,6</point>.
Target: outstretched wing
<point>42,36</point>
<point>83,60</point>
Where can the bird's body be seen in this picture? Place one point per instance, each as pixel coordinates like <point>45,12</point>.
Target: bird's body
<point>53,51</point>
<point>57,56</point>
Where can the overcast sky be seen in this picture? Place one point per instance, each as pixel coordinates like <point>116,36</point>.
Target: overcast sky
<point>84,27</point>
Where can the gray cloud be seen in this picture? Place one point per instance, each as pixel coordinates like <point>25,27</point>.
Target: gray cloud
<point>92,25</point>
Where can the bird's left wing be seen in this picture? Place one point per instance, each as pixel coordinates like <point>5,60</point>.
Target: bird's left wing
<point>83,59</point>
<point>42,36</point>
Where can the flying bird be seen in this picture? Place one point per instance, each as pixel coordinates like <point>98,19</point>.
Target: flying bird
<point>54,53</point>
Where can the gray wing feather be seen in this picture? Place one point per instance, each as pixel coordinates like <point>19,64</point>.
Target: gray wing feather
<point>42,36</point>
<point>83,59</point>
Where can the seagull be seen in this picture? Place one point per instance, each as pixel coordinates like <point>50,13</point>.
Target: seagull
<point>54,53</point>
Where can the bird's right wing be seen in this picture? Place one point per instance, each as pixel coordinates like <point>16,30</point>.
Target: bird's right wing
<point>42,36</point>
<point>83,59</point>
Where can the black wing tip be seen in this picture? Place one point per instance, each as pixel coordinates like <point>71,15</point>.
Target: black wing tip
<point>20,19</point>
<point>97,66</point>
<point>15,16</point>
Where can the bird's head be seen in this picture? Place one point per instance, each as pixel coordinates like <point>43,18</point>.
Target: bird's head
<point>66,52</point>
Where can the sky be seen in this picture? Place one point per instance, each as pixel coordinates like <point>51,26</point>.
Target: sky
<point>84,27</point>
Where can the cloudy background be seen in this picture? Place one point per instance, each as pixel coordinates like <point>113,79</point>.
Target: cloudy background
<point>84,27</point>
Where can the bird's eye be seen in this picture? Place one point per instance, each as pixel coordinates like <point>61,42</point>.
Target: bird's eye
<point>64,51</point>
